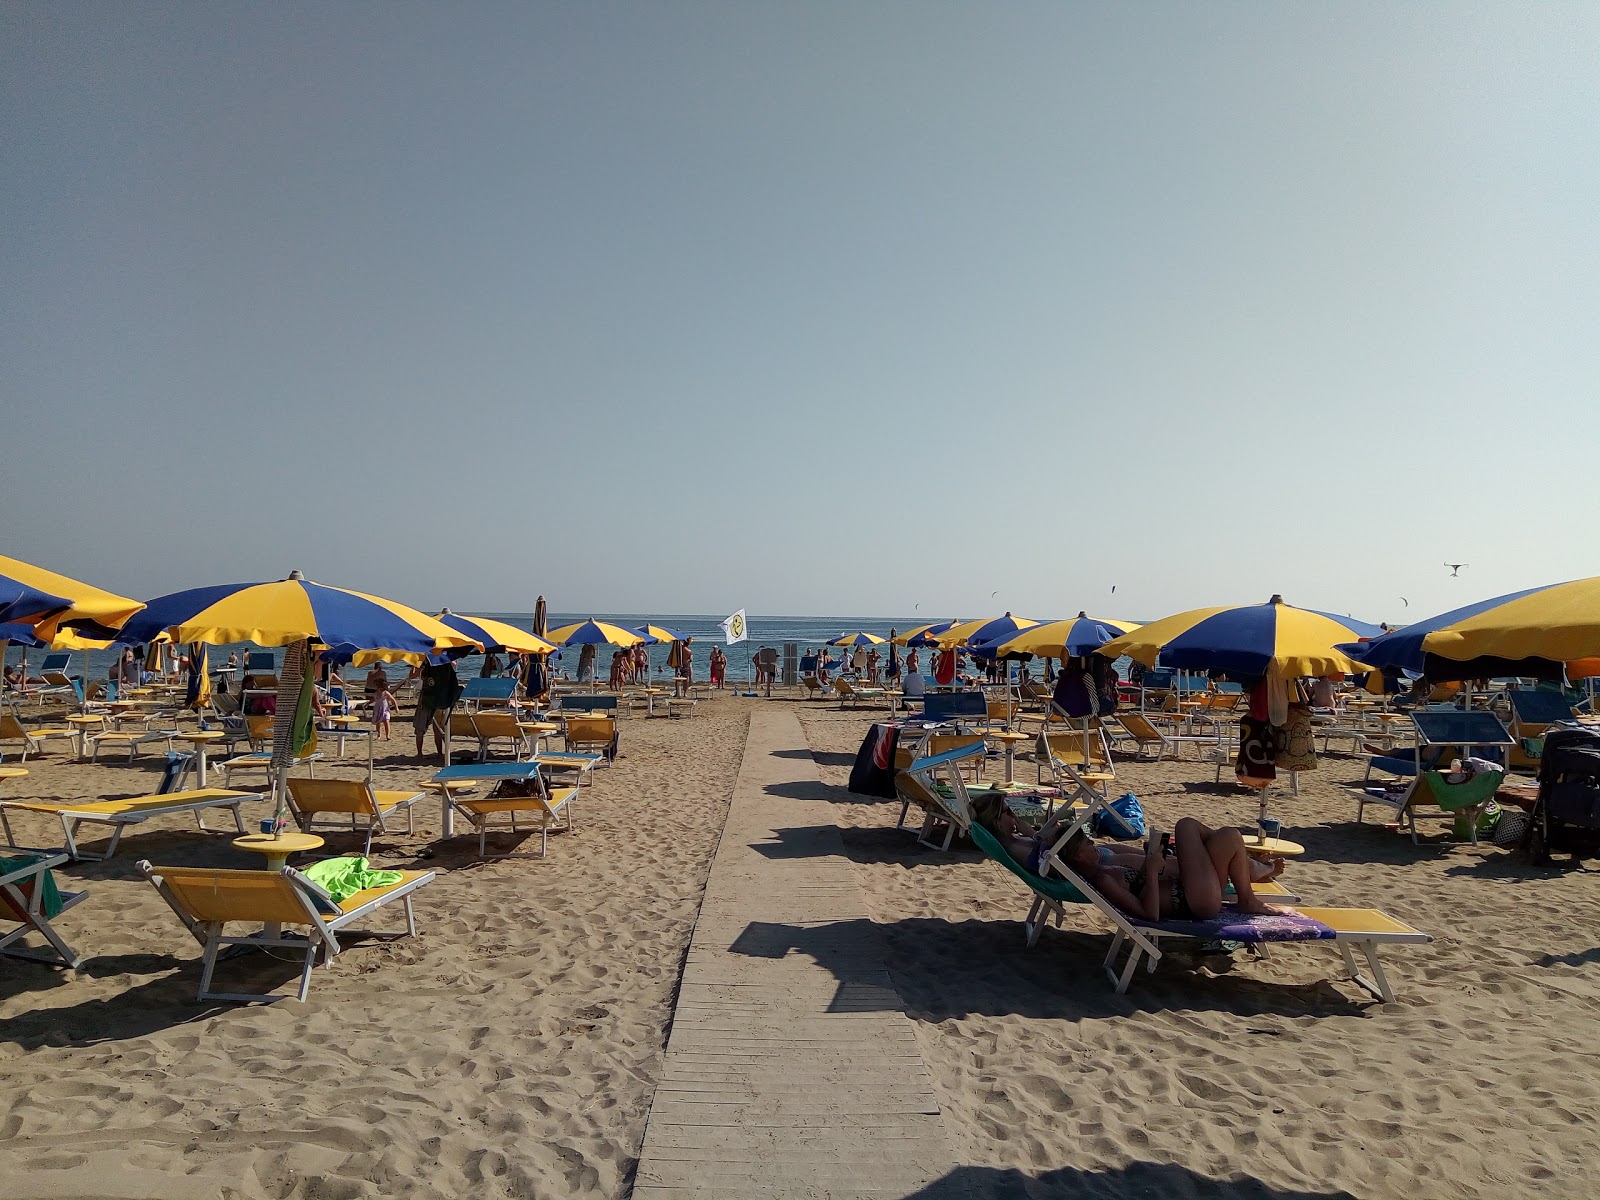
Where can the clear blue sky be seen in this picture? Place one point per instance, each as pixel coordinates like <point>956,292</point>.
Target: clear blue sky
<point>810,308</point>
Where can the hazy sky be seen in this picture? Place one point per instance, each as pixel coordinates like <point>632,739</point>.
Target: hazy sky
<point>808,308</point>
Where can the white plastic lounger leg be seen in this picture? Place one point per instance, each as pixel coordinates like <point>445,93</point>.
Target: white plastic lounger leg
<point>1378,983</point>
<point>1036,919</point>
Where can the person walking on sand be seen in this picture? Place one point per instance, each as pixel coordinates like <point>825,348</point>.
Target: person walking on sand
<point>719,667</point>
<point>437,695</point>
<point>685,675</point>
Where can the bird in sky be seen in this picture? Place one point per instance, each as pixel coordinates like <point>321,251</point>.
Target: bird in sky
<point>1455,568</point>
<point>1404,601</point>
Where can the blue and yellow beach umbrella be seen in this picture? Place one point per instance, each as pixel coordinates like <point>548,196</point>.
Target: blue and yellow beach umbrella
<point>292,610</point>
<point>857,639</point>
<point>988,629</point>
<point>653,634</point>
<point>496,636</point>
<point>924,635</point>
<point>1073,638</point>
<point>594,633</point>
<point>1532,632</point>
<point>1245,640</point>
<point>56,608</point>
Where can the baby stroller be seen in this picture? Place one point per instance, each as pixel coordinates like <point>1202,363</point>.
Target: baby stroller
<point>1567,816</point>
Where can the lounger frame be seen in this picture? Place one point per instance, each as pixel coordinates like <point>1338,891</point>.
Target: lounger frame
<point>323,926</point>
<point>197,802</point>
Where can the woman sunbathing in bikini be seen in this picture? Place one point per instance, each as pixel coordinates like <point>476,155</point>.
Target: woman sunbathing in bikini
<point>1184,886</point>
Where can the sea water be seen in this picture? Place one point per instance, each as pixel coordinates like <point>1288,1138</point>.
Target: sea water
<point>706,630</point>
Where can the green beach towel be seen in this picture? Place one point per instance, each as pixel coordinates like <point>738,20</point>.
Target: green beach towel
<point>50,901</point>
<point>342,878</point>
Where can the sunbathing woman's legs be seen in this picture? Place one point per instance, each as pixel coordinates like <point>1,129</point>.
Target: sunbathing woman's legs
<point>1200,875</point>
<point>1215,857</point>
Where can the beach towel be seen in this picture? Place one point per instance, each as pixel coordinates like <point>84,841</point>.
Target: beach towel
<point>342,878</point>
<point>50,900</point>
<point>873,772</point>
<point>1254,766</point>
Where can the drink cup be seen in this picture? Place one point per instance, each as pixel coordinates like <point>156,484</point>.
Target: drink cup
<point>268,826</point>
<point>1271,827</point>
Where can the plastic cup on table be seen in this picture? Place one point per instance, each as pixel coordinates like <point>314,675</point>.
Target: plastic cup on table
<point>1270,828</point>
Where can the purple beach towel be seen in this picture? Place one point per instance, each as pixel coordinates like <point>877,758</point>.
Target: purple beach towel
<point>1230,925</point>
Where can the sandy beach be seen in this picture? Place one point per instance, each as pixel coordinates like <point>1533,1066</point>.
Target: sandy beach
<point>513,1048</point>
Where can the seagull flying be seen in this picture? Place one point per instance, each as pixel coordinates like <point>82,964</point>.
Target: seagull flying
<point>1455,568</point>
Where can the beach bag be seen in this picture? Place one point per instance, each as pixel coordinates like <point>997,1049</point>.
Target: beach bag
<point>1122,820</point>
<point>1512,828</point>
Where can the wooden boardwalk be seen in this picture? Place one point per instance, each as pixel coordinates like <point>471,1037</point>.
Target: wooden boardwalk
<point>791,1070</point>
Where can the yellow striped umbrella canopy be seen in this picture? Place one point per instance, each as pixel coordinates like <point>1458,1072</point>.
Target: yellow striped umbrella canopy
<point>594,633</point>
<point>291,610</point>
<point>858,639</point>
<point>1076,636</point>
<point>1244,640</point>
<point>982,630</point>
<point>1560,622</point>
<point>497,633</point>
<point>88,611</point>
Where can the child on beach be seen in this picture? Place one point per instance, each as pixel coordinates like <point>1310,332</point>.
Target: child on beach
<point>383,706</point>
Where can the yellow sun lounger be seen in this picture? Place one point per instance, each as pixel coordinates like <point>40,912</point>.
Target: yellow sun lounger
<point>206,900</point>
<point>119,814</point>
<point>311,798</point>
<point>22,899</point>
<point>549,808</point>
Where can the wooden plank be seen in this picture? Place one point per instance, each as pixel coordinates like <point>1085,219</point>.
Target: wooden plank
<point>791,1069</point>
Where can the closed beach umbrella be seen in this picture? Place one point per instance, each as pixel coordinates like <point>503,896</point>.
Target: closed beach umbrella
<point>1245,640</point>
<point>984,630</point>
<point>594,633</point>
<point>1074,638</point>
<point>536,670</point>
<point>857,639</point>
<point>1532,632</point>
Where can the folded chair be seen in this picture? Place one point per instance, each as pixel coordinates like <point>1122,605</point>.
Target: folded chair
<point>119,814</point>
<point>549,804</point>
<point>355,798</point>
<point>207,900</point>
<point>23,890</point>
